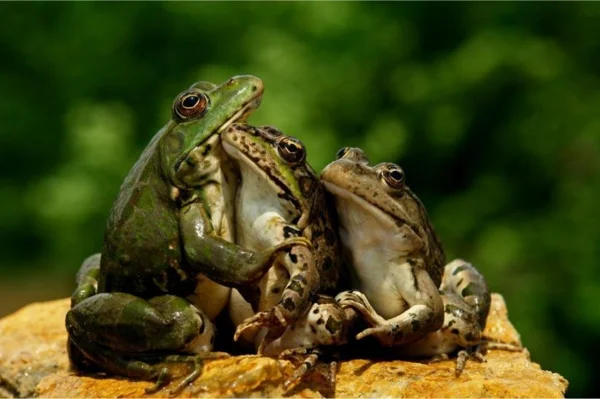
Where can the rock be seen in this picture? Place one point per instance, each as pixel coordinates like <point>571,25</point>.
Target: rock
<point>33,361</point>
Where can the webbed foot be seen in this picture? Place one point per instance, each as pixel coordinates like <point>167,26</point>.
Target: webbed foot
<point>311,357</point>
<point>474,352</point>
<point>164,376</point>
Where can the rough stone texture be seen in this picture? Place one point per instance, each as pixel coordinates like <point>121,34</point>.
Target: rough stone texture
<point>33,360</point>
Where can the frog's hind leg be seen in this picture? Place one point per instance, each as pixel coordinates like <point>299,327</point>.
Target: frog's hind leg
<point>495,345</point>
<point>86,285</point>
<point>116,331</point>
<point>477,352</point>
<point>461,358</point>
<point>310,360</point>
<point>465,280</point>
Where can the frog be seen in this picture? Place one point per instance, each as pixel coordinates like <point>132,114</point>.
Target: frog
<point>467,301</point>
<point>278,198</point>
<point>395,258</point>
<point>133,304</point>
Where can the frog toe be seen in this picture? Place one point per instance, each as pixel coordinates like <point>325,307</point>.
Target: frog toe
<point>474,352</point>
<point>373,331</point>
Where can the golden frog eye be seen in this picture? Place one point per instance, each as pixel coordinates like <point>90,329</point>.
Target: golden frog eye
<point>291,150</point>
<point>393,176</point>
<point>190,105</point>
<point>341,152</point>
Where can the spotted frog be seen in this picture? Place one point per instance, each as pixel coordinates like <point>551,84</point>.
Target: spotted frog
<point>279,198</point>
<point>398,263</point>
<point>397,259</point>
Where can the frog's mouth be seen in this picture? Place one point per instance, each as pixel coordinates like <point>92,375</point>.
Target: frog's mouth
<point>243,113</point>
<point>386,220</point>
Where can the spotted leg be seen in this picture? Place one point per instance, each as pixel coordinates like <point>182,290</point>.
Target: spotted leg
<point>295,299</point>
<point>464,280</point>
<point>423,312</point>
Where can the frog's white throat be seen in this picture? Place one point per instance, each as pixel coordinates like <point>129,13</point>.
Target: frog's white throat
<point>350,217</point>
<point>258,206</point>
<point>248,168</point>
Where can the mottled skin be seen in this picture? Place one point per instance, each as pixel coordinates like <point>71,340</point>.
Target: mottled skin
<point>466,306</point>
<point>279,198</point>
<point>169,206</point>
<point>396,258</point>
<point>142,248</point>
<point>326,324</point>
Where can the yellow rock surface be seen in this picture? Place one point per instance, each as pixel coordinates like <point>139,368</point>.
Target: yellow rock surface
<point>33,361</point>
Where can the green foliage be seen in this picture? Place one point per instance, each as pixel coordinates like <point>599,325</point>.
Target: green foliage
<point>491,109</point>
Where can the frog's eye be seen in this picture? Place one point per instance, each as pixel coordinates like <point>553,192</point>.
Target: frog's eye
<point>341,152</point>
<point>392,175</point>
<point>291,150</point>
<point>190,105</point>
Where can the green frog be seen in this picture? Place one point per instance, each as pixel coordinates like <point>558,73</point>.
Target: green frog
<point>279,198</point>
<point>145,296</point>
<point>396,258</point>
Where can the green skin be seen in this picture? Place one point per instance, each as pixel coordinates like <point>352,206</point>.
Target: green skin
<point>129,307</point>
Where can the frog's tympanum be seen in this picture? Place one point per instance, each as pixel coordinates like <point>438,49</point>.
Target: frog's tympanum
<point>279,199</point>
<point>172,213</point>
<point>397,260</point>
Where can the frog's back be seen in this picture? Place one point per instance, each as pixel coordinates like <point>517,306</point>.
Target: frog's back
<point>325,239</point>
<point>141,253</point>
<point>435,259</point>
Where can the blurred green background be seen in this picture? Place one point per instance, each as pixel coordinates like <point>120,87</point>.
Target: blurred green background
<point>492,109</point>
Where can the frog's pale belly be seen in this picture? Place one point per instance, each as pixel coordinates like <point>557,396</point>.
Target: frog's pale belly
<point>382,288</point>
<point>258,216</point>
<point>258,226</point>
<point>378,257</point>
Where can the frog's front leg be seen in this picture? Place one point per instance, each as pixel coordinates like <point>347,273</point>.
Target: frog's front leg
<point>118,332</point>
<point>295,299</point>
<point>86,281</point>
<point>220,260</point>
<point>425,312</point>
